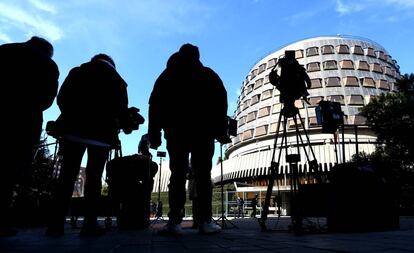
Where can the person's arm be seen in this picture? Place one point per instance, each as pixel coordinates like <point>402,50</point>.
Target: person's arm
<point>155,112</point>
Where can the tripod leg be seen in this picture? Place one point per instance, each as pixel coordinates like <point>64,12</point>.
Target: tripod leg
<point>274,166</point>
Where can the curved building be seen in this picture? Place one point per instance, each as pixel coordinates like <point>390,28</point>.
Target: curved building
<point>348,70</point>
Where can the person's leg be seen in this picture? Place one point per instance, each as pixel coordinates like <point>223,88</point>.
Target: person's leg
<point>97,158</point>
<point>19,152</point>
<point>72,154</point>
<point>201,160</point>
<point>177,192</point>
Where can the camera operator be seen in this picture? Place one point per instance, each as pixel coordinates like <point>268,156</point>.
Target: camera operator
<point>29,83</point>
<point>189,102</point>
<point>94,106</point>
<point>293,81</point>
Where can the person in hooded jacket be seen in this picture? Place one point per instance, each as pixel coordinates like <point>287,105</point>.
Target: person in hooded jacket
<point>189,103</point>
<point>94,105</point>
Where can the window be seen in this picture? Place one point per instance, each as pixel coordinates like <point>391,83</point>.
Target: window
<point>261,130</point>
<point>313,122</point>
<point>332,82</point>
<point>263,112</point>
<point>299,104</point>
<point>273,127</point>
<point>370,52</point>
<point>375,67</point>
<point>258,83</point>
<point>246,104</point>
<point>254,74</point>
<point>313,66</point>
<point>266,79</point>
<point>276,108</point>
<point>267,94</point>
<point>262,68</point>
<point>382,84</point>
<point>241,121</point>
<point>362,65</point>
<point>350,81</point>
<point>380,55</point>
<point>291,123</point>
<point>327,49</point>
<point>355,100</point>
<point>357,50</point>
<point>251,116</point>
<point>368,82</point>
<point>255,99</point>
<point>387,70</point>
<point>336,98</point>
<point>346,64</point>
<point>271,63</point>
<point>248,134</point>
<point>316,83</point>
<point>315,100</point>
<point>329,65</point>
<point>312,51</point>
<point>250,88</point>
<point>342,49</point>
<point>298,54</point>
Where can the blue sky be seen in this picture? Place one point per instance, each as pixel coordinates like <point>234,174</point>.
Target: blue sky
<point>232,34</point>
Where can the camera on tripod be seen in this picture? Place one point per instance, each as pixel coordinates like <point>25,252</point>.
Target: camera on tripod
<point>292,82</point>
<point>329,115</point>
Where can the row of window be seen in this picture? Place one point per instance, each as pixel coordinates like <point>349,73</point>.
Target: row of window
<point>354,100</point>
<point>333,65</point>
<point>349,65</point>
<point>271,129</point>
<point>349,81</point>
<point>325,50</point>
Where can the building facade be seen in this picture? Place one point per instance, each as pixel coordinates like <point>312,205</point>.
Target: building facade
<point>348,70</point>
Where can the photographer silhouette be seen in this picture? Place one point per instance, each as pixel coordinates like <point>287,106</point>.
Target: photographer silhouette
<point>94,107</point>
<point>293,81</point>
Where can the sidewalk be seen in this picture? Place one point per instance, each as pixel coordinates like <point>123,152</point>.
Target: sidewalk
<point>247,237</point>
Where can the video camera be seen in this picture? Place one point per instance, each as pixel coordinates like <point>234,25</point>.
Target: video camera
<point>132,120</point>
<point>292,82</point>
<point>329,115</point>
<point>231,130</point>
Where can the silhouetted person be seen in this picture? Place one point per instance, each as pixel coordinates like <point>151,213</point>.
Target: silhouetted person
<point>294,81</point>
<point>189,102</point>
<point>240,207</point>
<point>254,206</point>
<point>143,146</point>
<point>93,103</point>
<point>29,81</point>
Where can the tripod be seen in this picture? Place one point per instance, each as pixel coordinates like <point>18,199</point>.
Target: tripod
<point>287,112</point>
<point>158,214</point>
<point>223,217</point>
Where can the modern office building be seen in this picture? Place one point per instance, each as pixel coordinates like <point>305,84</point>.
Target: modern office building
<point>348,70</point>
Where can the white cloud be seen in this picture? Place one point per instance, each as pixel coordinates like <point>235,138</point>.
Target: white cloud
<point>5,38</point>
<point>175,16</point>
<point>29,22</point>
<point>348,7</point>
<point>43,6</point>
<point>351,6</point>
<point>401,3</point>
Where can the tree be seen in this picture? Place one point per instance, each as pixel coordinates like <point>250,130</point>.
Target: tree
<point>392,118</point>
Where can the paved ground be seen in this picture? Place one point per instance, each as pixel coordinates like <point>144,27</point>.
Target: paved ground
<point>247,237</point>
